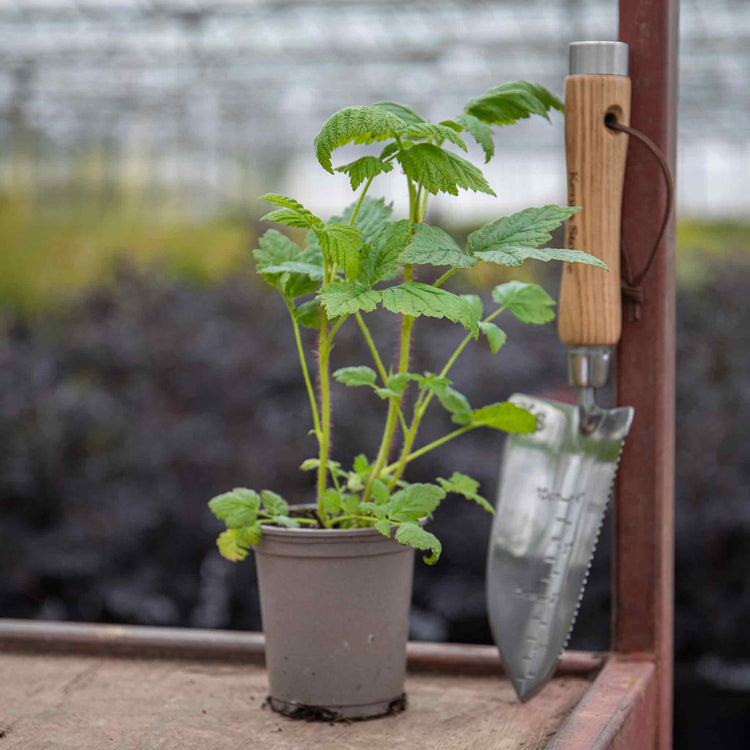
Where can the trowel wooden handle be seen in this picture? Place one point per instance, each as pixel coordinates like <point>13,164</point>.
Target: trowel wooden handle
<point>590,308</point>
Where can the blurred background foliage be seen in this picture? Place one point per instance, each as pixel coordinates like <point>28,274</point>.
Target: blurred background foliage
<point>144,368</point>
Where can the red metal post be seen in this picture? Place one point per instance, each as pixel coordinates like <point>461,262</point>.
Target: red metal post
<point>643,558</point>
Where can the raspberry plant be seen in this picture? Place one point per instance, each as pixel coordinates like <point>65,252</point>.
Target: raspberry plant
<point>359,261</point>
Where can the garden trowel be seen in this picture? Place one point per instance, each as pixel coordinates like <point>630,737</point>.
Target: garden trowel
<point>555,483</point>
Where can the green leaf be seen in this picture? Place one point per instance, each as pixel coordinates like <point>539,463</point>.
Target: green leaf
<point>431,130</point>
<point>236,508</point>
<point>525,229</point>
<point>351,504</point>
<point>504,416</point>
<point>354,482</point>
<point>357,124</point>
<point>361,465</point>
<point>415,501</point>
<point>235,543</point>
<point>476,304</point>
<point>434,246</point>
<point>292,212</point>
<point>308,313</point>
<point>380,493</point>
<point>341,243</point>
<point>371,509</point>
<point>440,171</point>
<point>345,298</point>
<point>414,298</point>
<point>286,522</point>
<point>408,115</point>
<point>371,219</point>
<point>381,261</point>
<point>363,169</point>
<point>528,302</point>
<point>274,504</point>
<point>464,485</point>
<point>332,501</point>
<point>482,134</point>
<point>356,375</point>
<point>412,535</point>
<point>495,336</point>
<point>384,527</point>
<point>282,265</point>
<point>510,102</point>
<point>396,385</point>
<point>311,464</point>
<point>453,401</point>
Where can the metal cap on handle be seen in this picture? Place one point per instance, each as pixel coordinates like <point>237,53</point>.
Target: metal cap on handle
<point>598,58</point>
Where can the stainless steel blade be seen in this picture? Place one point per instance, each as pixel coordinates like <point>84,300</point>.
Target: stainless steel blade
<point>554,488</point>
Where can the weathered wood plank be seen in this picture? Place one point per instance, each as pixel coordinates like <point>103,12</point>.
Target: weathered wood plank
<point>92,701</point>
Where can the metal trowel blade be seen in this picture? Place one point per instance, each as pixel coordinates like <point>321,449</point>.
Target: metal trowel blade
<point>554,488</point>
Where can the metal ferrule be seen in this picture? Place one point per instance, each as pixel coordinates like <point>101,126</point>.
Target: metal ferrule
<point>588,366</point>
<point>588,369</point>
<point>598,58</point>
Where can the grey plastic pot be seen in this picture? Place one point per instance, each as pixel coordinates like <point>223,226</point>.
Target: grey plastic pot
<point>335,610</point>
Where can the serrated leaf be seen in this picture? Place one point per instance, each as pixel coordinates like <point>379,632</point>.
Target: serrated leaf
<point>515,256</point>
<point>380,493</point>
<point>310,464</point>
<point>396,385</point>
<point>528,302</point>
<point>431,381</point>
<point>234,544</point>
<point>346,298</point>
<point>371,219</point>
<point>461,484</point>
<point>433,246</point>
<point>273,259</point>
<point>377,511</point>
<point>308,313</point>
<point>504,416</point>
<point>358,124</point>
<point>361,465</point>
<point>274,504</point>
<point>384,527</point>
<point>432,130</point>
<point>356,375</point>
<point>476,304</point>
<point>414,502</point>
<point>414,298</point>
<point>236,508</point>
<point>332,501</point>
<point>363,169</point>
<point>453,401</point>
<point>351,504</point>
<point>513,101</point>
<point>525,229</point>
<point>440,171</point>
<point>496,337</point>
<point>381,261</point>
<point>341,243</point>
<point>292,212</point>
<point>412,535</point>
<point>481,133</point>
<point>407,114</point>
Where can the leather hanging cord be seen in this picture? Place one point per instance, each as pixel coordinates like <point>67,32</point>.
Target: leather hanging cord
<point>632,291</point>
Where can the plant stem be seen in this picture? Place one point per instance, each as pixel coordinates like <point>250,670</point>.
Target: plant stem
<point>306,375</point>
<point>359,202</point>
<point>430,446</point>
<point>325,411</point>
<point>373,349</point>
<point>445,277</point>
<point>421,407</point>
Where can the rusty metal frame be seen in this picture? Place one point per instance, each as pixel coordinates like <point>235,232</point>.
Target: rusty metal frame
<point>240,647</point>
